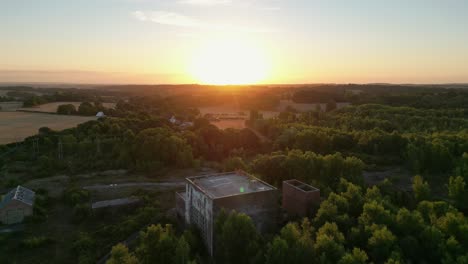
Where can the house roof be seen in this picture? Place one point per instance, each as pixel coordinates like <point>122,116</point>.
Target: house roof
<point>20,194</point>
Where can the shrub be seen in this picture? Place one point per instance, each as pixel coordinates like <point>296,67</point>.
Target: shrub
<point>36,241</point>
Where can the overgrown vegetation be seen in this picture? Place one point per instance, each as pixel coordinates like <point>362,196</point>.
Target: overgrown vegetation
<point>421,130</point>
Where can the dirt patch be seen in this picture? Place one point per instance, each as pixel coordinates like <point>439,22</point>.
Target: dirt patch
<point>400,177</point>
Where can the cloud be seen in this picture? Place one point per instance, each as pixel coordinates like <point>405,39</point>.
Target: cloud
<point>205,2</point>
<point>180,20</point>
<point>272,8</point>
<point>168,18</point>
<point>140,15</point>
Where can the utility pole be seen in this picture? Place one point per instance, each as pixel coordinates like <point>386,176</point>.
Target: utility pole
<point>36,147</point>
<point>60,150</point>
<point>98,146</point>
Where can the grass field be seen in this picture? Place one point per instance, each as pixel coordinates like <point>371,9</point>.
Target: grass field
<point>52,107</point>
<point>15,126</point>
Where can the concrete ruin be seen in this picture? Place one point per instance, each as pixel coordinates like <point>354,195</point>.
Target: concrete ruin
<point>205,196</point>
<point>299,198</point>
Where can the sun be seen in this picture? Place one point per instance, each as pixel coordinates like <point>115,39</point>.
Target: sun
<point>231,62</point>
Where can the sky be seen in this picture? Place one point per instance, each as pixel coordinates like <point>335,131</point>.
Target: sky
<point>258,41</point>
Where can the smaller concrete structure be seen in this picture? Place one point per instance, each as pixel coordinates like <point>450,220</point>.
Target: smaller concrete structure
<point>16,204</point>
<point>299,198</point>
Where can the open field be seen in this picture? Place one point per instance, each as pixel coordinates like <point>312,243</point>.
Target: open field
<point>52,107</point>
<point>10,106</point>
<point>229,123</point>
<point>306,107</point>
<point>15,126</point>
<point>4,92</point>
<point>231,109</point>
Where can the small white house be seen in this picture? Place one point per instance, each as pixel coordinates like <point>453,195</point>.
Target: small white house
<point>173,120</point>
<point>16,204</point>
<point>100,114</point>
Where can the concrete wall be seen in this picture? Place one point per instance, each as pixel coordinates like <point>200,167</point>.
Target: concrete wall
<point>297,202</point>
<point>180,204</point>
<point>199,212</point>
<point>14,212</point>
<point>262,207</point>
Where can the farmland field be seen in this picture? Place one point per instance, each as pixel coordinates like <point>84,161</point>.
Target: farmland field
<point>15,126</point>
<point>307,107</point>
<point>10,106</point>
<point>230,123</point>
<point>230,109</point>
<point>52,107</point>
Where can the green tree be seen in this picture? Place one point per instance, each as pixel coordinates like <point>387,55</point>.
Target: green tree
<point>381,243</point>
<point>421,188</point>
<point>375,213</point>
<point>409,222</point>
<point>237,240</point>
<point>157,245</point>
<point>357,256</point>
<point>458,191</point>
<point>329,244</point>
<point>182,251</point>
<point>278,252</point>
<point>234,163</point>
<point>66,109</point>
<point>331,105</point>
<point>120,255</point>
<point>293,245</point>
<point>87,109</point>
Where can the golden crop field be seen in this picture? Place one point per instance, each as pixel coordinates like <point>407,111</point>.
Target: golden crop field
<point>52,107</point>
<point>15,126</point>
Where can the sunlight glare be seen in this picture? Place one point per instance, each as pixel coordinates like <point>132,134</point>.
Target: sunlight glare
<point>228,63</point>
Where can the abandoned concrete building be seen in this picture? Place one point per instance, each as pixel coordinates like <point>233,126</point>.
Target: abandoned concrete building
<point>205,196</point>
<point>299,199</point>
<point>16,204</point>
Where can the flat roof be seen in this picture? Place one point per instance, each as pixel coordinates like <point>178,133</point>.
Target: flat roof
<point>229,183</point>
<point>301,186</point>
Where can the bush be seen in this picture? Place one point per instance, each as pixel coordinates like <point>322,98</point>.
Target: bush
<point>81,212</point>
<point>234,163</point>
<point>36,241</point>
<point>75,195</point>
<point>84,248</point>
<point>66,109</point>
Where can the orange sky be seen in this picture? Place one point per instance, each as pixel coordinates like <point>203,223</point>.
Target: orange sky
<point>227,41</point>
